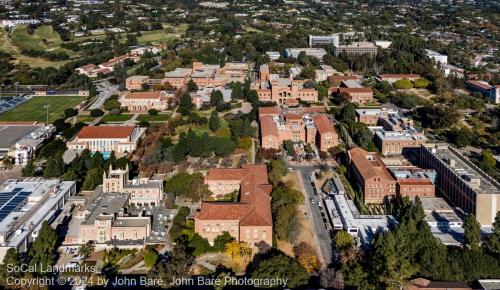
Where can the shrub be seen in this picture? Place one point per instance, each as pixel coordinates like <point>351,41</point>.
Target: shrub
<point>403,84</point>
<point>152,112</point>
<point>96,113</point>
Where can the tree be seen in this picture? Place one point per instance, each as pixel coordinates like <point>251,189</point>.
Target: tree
<point>403,84</point>
<point>176,267</point>
<point>221,240</point>
<point>151,257</point>
<point>343,240</point>
<point>281,266</point>
<point>199,244</point>
<point>186,105</point>
<point>461,136</point>
<point>86,249</point>
<point>308,72</point>
<point>493,244</point>
<point>54,167</point>
<point>488,160</point>
<point>472,232</point>
<point>12,260</point>
<point>329,278</point>
<point>216,97</point>
<point>223,146</point>
<point>44,248</point>
<point>237,250</point>
<point>153,112</point>
<point>93,178</point>
<point>192,87</point>
<point>29,169</point>
<point>237,91</point>
<point>421,83</point>
<point>277,169</point>
<point>214,122</point>
<point>307,257</point>
<point>70,112</point>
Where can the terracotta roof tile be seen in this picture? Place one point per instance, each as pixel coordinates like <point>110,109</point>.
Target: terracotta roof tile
<point>102,132</point>
<point>254,208</point>
<point>323,124</point>
<point>143,95</point>
<point>399,76</point>
<point>369,164</point>
<point>268,126</point>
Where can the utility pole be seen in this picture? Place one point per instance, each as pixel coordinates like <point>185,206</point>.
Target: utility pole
<point>46,107</point>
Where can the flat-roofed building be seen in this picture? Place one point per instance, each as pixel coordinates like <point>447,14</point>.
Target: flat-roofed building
<point>394,142</point>
<point>371,175</point>
<point>318,53</point>
<point>107,138</point>
<point>332,39</point>
<point>136,82</point>
<point>25,204</point>
<point>104,218</point>
<point>362,227</point>
<point>371,116</point>
<point>144,101</point>
<point>250,219</point>
<point>439,58</point>
<point>356,48</point>
<point>462,183</point>
<point>413,182</point>
<point>438,213</point>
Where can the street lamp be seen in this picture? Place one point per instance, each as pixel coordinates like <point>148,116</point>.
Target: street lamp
<point>46,107</point>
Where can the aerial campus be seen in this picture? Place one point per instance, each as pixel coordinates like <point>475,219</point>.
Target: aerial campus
<point>250,144</point>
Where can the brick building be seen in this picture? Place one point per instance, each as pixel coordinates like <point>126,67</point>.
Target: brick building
<point>298,125</point>
<point>143,101</point>
<point>372,176</point>
<point>462,183</point>
<point>107,138</point>
<point>272,88</point>
<point>136,82</point>
<point>250,219</point>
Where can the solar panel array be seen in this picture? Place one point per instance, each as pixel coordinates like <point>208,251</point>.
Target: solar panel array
<point>10,200</point>
<point>7,105</point>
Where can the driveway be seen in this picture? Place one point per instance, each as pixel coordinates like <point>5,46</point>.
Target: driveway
<point>319,230</point>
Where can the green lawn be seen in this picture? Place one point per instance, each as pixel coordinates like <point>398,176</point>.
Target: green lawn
<point>117,118</point>
<point>32,110</point>
<point>44,38</point>
<point>85,118</point>
<point>157,118</point>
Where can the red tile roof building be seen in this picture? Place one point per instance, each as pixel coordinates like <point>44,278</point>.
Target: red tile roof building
<point>107,138</point>
<point>143,101</point>
<point>357,95</point>
<point>371,174</point>
<point>298,125</point>
<point>250,219</point>
<point>391,78</point>
<point>272,88</point>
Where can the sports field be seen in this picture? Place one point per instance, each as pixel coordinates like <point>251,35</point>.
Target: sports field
<point>32,110</point>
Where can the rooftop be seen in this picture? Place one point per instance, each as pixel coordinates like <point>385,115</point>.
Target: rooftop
<point>13,133</point>
<point>105,132</point>
<point>464,169</point>
<point>369,164</point>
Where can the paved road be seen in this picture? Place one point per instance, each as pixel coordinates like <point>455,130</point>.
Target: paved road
<point>105,89</point>
<point>320,232</point>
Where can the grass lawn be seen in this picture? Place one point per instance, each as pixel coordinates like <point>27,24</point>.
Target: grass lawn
<point>32,110</point>
<point>85,118</point>
<point>44,38</point>
<point>117,118</point>
<point>157,118</point>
